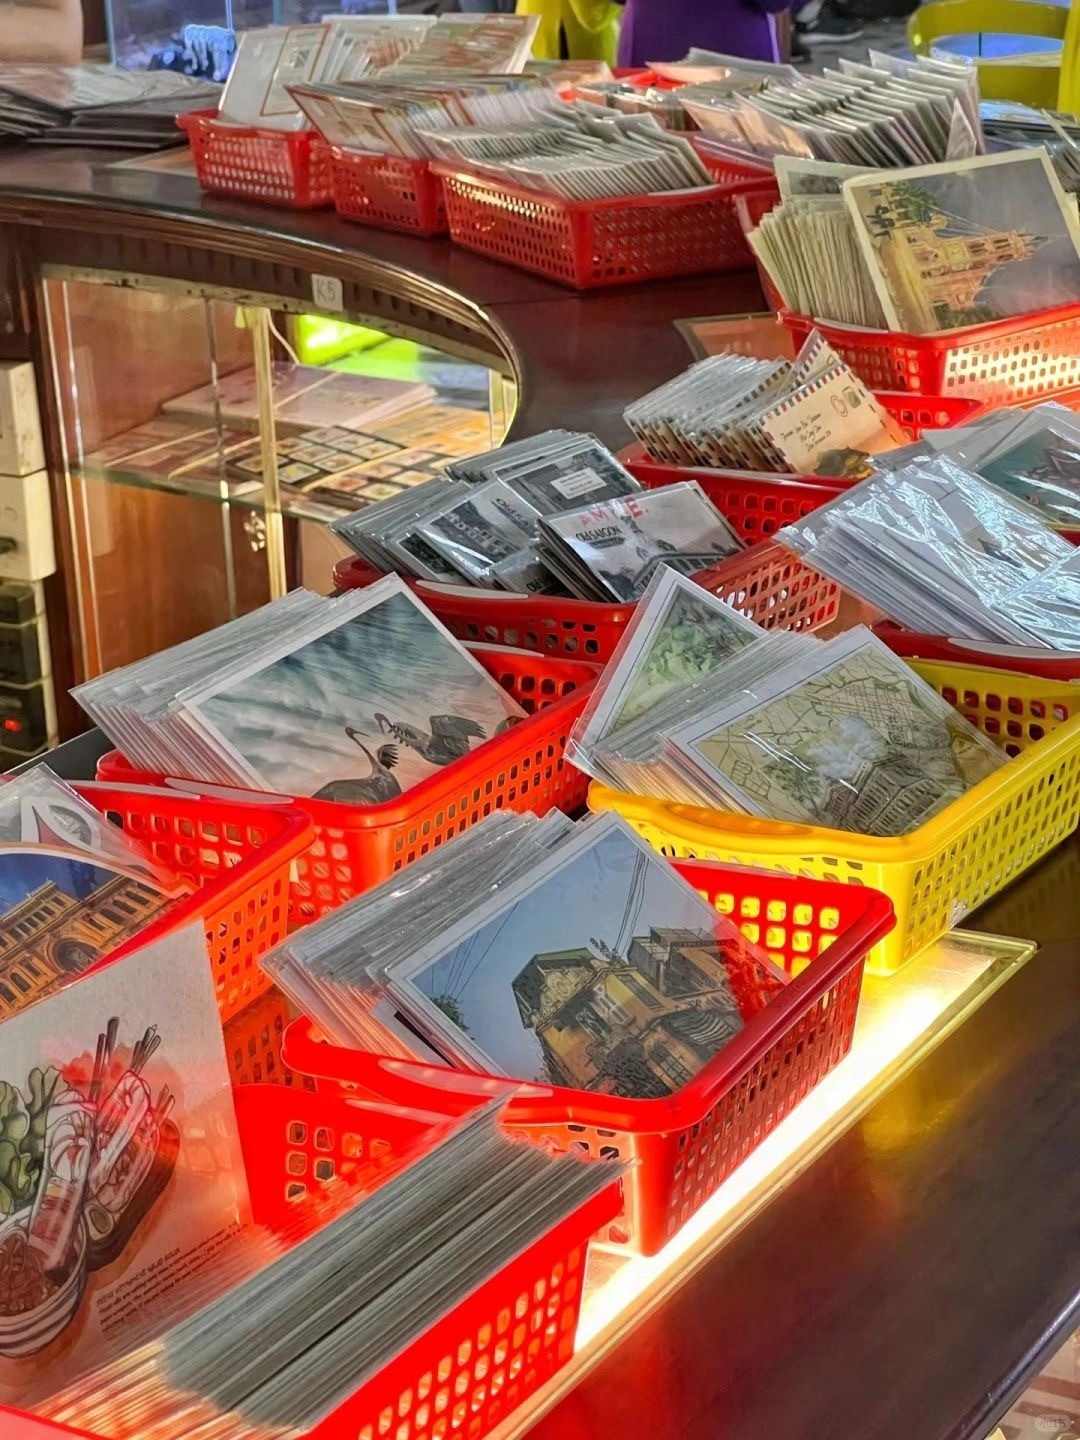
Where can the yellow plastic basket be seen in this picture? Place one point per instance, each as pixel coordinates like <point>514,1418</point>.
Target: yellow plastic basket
<point>939,873</point>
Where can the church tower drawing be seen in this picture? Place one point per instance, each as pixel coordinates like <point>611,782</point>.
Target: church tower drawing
<point>51,936</point>
<point>939,261</point>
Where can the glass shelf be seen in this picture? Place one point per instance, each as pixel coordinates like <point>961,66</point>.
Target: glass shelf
<point>204,438</point>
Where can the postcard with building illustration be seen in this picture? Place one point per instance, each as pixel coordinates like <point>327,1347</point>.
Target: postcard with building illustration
<point>377,696</point>
<point>850,739</point>
<point>679,634</point>
<point>72,888</point>
<point>967,242</point>
<point>602,970</point>
<point>120,1170</point>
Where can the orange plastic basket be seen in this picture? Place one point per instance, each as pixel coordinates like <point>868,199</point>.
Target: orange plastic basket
<point>272,167</point>
<point>1029,357</point>
<point>474,1365</point>
<point>592,243</point>
<point>687,1144</point>
<point>525,768</point>
<point>391,191</point>
<point>749,208</point>
<point>914,645</point>
<point>237,858</point>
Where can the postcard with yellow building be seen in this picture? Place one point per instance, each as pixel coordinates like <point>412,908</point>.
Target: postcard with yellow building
<point>968,242</point>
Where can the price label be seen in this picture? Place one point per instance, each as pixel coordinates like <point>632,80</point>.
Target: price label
<point>328,292</point>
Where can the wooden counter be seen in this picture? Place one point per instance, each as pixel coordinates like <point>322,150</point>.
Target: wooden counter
<point>906,1284</point>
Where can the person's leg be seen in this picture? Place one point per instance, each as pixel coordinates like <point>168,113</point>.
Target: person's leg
<point>591,28</point>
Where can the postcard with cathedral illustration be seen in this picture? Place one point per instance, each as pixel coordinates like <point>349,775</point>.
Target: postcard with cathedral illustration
<point>372,698</point>
<point>121,1175</point>
<point>73,888</point>
<point>601,970</point>
<point>967,242</point>
<point>848,737</point>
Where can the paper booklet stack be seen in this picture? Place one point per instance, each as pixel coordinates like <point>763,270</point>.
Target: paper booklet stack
<point>554,514</point>
<point>813,416</point>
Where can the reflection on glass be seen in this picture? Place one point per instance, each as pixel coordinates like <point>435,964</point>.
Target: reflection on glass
<point>172,446</point>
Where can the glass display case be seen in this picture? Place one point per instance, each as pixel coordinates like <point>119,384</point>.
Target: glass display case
<point>143,32</point>
<point>209,440</point>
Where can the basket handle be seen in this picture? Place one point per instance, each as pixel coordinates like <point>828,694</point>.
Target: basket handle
<point>748,825</point>
<point>396,1081</point>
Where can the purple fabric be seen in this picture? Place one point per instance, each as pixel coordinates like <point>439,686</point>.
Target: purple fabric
<point>666,29</point>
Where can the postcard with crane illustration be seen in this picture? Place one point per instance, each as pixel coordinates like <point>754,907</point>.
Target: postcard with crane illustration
<point>967,242</point>
<point>601,970</point>
<point>376,698</point>
<point>120,1169</point>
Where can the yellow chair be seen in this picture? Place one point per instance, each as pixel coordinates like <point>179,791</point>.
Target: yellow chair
<point>591,28</point>
<point>1027,79</point>
<point>1069,87</point>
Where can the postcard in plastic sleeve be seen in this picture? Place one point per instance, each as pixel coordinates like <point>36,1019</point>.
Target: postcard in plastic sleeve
<point>120,1169</point>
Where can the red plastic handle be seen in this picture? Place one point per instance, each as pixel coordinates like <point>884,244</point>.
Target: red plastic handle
<point>452,1093</point>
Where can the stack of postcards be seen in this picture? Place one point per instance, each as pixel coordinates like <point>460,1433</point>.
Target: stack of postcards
<point>567,954</point>
<point>698,706</point>
<point>354,699</point>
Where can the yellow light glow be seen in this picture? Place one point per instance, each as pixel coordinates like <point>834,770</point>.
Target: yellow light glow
<point>901,1018</point>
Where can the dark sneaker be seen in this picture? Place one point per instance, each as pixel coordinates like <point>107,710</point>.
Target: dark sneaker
<point>830,28</point>
<point>800,55</point>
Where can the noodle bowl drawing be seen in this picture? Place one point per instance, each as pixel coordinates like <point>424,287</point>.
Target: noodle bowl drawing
<point>34,1309</point>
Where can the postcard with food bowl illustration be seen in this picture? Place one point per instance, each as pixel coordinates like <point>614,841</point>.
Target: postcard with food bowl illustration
<point>120,1169</point>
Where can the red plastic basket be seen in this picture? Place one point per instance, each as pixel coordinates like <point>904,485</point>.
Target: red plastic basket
<point>749,208</point>
<point>1029,357</point>
<point>686,1144</point>
<point>756,505</point>
<point>391,191</point>
<point>474,1365</point>
<point>914,645</point>
<point>237,858</point>
<point>272,167</point>
<point>523,769</point>
<point>587,244</point>
<point>764,582</point>
<point>774,588</point>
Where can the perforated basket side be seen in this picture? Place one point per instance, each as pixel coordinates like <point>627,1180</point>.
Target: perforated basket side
<point>390,191</point>
<point>774,589</point>
<point>276,167</point>
<point>595,243</point>
<point>235,856</point>
<point>1020,359</point>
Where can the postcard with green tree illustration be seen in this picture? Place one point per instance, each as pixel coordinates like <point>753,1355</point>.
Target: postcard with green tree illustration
<point>679,634</point>
<point>855,742</point>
